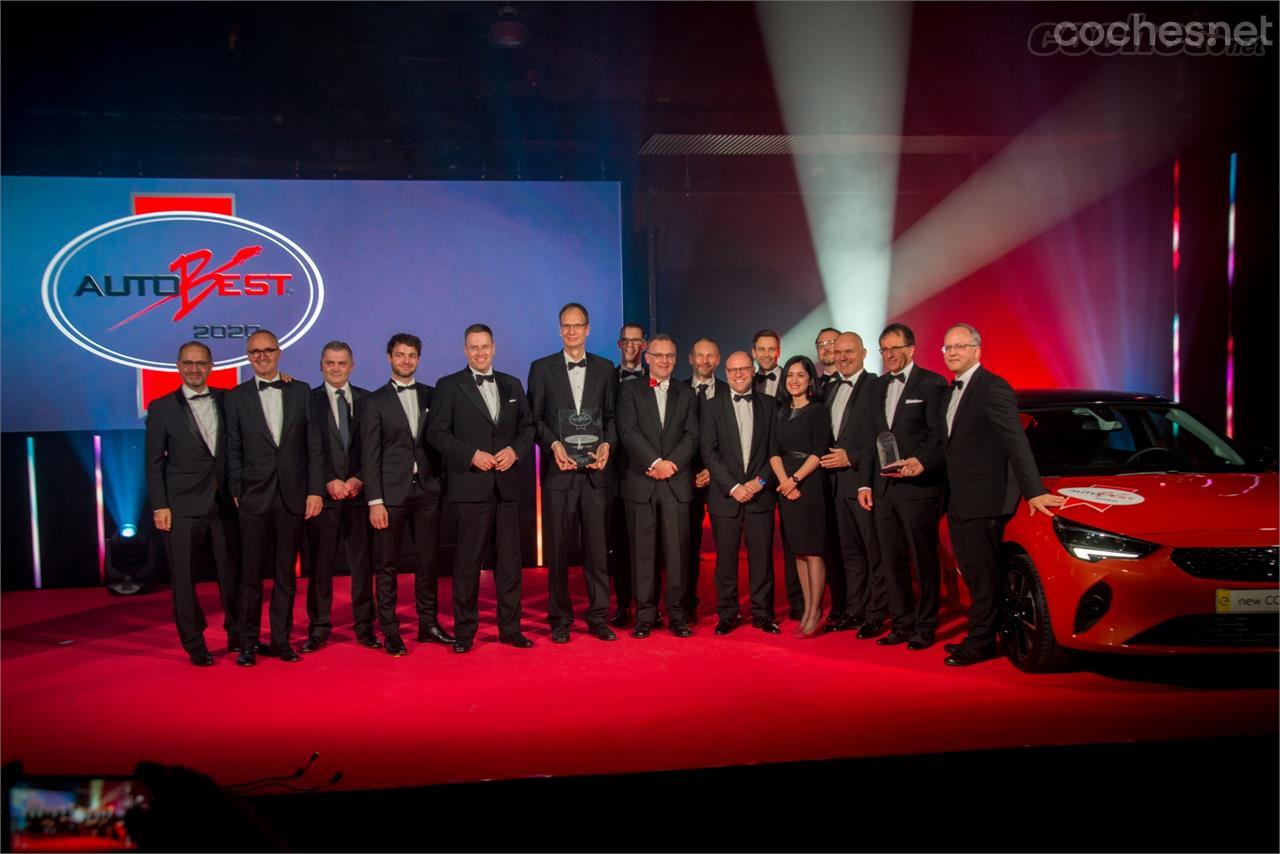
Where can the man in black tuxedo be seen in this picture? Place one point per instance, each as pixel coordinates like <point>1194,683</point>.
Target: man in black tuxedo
<point>824,347</point>
<point>336,407</point>
<point>989,467</point>
<point>658,425</point>
<point>848,399</point>
<point>482,426</point>
<point>276,474</point>
<point>187,483</point>
<point>631,366</point>
<point>907,401</point>
<point>766,350</point>
<point>402,486</point>
<point>576,490</point>
<point>735,428</point>
<point>704,358</point>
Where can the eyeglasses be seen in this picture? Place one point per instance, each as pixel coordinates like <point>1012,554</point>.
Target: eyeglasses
<point>826,342</point>
<point>884,350</point>
<point>738,370</point>
<point>185,363</point>
<point>664,356</point>
<point>955,348</point>
<point>264,351</point>
<point>630,340</point>
<point>569,327</point>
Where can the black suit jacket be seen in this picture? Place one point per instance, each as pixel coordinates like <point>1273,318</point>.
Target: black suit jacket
<point>647,439</point>
<point>989,461</point>
<point>722,453</point>
<point>780,393</point>
<point>722,388</point>
<point>460,425</point>
<point>339,463</point>
<point>851,434</point>
<point>256,466</point>
<point>644,373</point>
<point>183,475</point>
<point>388,450</point>
<point>549,392</point>
<point>919,426</point>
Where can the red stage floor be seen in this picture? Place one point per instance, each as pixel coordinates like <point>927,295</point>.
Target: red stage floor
<point>93,683</point>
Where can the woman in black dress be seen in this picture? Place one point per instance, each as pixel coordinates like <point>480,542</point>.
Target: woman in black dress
<point>801,436</point>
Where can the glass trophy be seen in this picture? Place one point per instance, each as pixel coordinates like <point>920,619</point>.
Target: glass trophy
<point>580,432</point>
<point>890,459</point>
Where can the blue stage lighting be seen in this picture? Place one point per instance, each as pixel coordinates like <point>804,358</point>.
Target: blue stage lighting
<point>128,531</point>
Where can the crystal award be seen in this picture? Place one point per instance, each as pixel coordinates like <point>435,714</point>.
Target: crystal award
<point>887,447</point>
<point>580,433</point>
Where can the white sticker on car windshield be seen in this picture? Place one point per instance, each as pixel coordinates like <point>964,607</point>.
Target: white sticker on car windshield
<point>1100,497</point>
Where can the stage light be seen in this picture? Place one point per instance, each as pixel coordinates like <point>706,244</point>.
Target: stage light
<point>128,532</point>
<point>129,561</point>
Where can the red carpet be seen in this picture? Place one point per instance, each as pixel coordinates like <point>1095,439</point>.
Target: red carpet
<point>93,683</point>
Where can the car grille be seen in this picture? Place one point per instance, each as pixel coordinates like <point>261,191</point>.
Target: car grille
<point>1229,564</point>
<point>1214,630</point>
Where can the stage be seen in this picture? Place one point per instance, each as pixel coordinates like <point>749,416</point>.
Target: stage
<point>94,683</point>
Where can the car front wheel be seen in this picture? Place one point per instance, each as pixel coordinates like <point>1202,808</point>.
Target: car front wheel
<point>1028,634</point>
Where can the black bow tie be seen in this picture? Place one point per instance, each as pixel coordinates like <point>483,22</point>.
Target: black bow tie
<point>572,365</point>
<point>399,388</point>
<point>762,377</point>
<point>897,378</point>
<point>201,396</point>
<point>481,379</point>
<point>263,385</point>
<point>738,398</point>
<point>628,374</point>
<point>849,383</point>
<point>957,384</point>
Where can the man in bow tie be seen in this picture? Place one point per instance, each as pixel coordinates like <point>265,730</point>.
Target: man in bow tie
<point>825,352</point>
<point>631,344</point>
<point>402,487</point>
<point>658,425</point>
<point>577,481</point>
<point>482,427</point>
<point>275,468</point>
<point>187,484</point>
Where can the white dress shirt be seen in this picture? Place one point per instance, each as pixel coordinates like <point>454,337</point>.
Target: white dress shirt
<point>841,400</point>
<point>577,379</point>
<point>206,414</point>
<point>709,385</point>
<point>272,400</point>
<point>895,393</point>
<point>489,391</point>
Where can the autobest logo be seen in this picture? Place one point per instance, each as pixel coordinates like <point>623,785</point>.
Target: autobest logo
<point>131,290</point>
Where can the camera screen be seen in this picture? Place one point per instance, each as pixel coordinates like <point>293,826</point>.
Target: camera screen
<point>85,814</point>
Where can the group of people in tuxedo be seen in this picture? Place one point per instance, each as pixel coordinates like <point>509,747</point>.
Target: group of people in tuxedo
<point>632,461</point>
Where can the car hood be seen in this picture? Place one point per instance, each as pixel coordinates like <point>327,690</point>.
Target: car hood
<point>1176,508</point>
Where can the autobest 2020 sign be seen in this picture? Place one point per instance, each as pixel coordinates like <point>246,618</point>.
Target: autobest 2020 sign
<point>132,289</point>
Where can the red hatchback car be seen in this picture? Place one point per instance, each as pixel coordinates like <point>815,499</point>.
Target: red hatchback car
<point>1167,542</point>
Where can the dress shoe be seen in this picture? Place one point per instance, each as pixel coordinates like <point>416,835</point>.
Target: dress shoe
<point>246,658</point>
<point>966,655</point>
<point>434,634</point>
<point>769,627</point>
<point>287,653</point>
<point>619,619</point>
<point>395,646</point>
<point>870,629</point>
<point>725,626</point>
<point>461,647</point>
<point>517,640</point>
<point>894,638</point>
<point>201,658</point>
<point>560,634</point>
<point>919,642</point>
<point>312,644</point>
<point>603,632</point>
<point>833,620</point>
<point>949,648</point>
<point>849,622</point>
<point>641,630</point>
<point>681,630</point>
<point>369,642</point>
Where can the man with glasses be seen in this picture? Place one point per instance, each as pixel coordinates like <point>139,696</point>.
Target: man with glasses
<point>658,425</point>
<point>825,348</point>
<point>631,345</point>
<point>572,393</point>
<point>187,484</point>
<point>276,475</point>
<point>907,402</point>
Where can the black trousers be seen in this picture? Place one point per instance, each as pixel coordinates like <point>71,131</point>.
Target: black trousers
<point>420,514</point>
<point>662,511</point>
<point>728,531</point>
<point>345,526</point>
<point>619,554</point>
<point>580,508</point>
<point>271,541</point>
<point>907,531</point>
<point>860,550</point>
<point>479,524</point>
<point>219,532</point>
<point>976,543</point>
<point>697,513</point>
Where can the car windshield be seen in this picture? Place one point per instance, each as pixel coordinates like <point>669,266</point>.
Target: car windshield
<point>1098,438</point>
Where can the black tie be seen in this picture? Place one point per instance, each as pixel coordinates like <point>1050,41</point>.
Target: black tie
<point>762,377</point>
<point>957,384</point>
<point>263,385</point>
<point>572,365</point>
<point>628,375</point>
<point>400,388</point>
<point>899,378</point>
<point>702,390</point>
<point>738,398</point>
<point>481,379</point>
<point>849,383</point>
<point>201,396</point>
<point>344,418</point>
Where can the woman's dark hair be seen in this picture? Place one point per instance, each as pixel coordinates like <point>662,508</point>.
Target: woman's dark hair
<point>804,361</point>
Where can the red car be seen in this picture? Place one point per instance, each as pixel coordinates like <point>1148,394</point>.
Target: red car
<point>1167,542</point>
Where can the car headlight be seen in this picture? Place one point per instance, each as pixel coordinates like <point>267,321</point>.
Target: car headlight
<point>1094,545</point>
